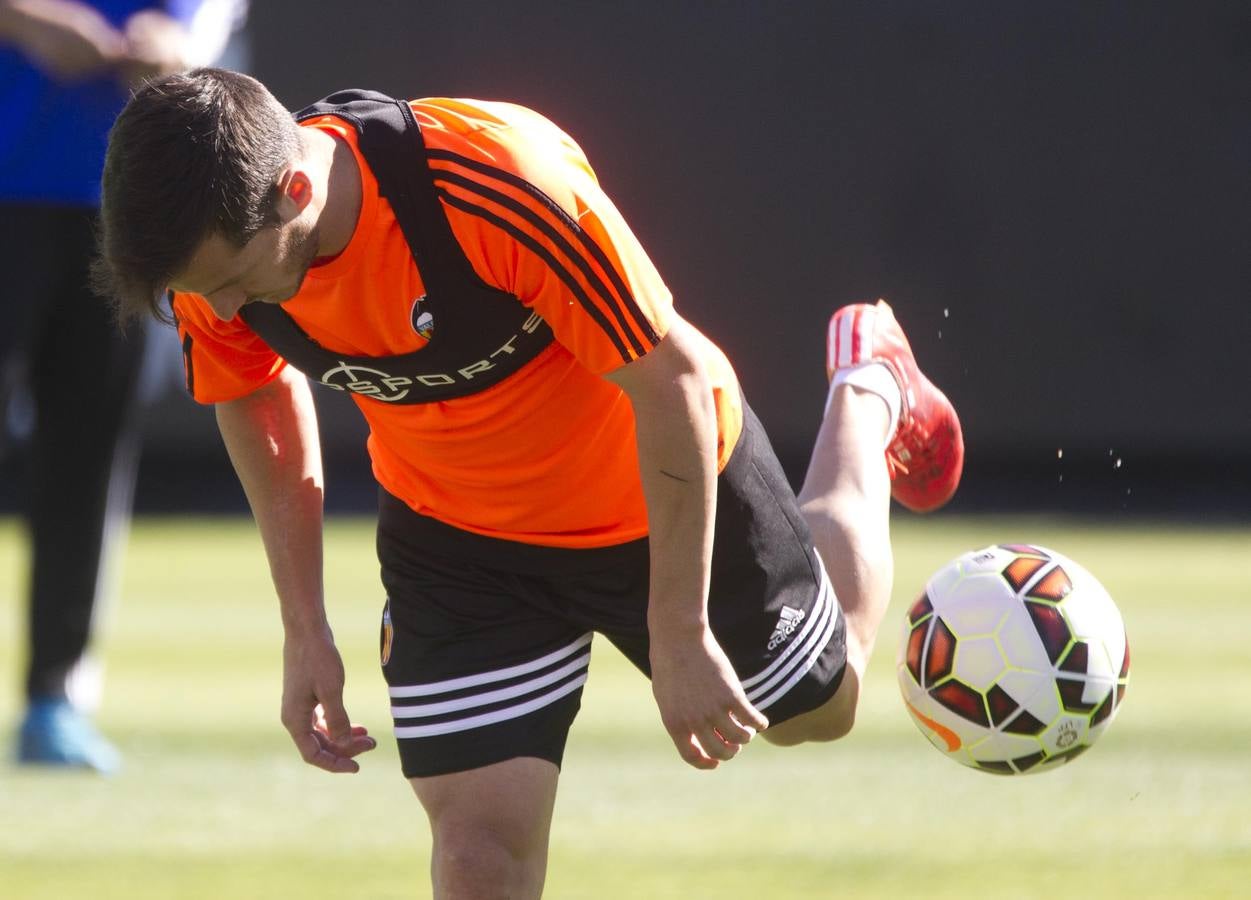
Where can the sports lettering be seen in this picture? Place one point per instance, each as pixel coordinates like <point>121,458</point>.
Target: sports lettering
<point>380,385</point>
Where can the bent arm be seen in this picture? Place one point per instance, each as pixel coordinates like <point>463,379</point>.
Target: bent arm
<point>701,701</point>
<point>676,430</point>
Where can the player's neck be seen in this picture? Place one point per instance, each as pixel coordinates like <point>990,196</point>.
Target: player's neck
<point>341,192</point>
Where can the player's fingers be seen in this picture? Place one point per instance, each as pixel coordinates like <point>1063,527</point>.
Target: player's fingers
<point>356,745</point>
<point>733,731</point>
<point>315,750</point>
<point>692,753</point>
<point>715,745</point>
<point>748,716</point>
<point>337,757</point>
<point>338,725</point>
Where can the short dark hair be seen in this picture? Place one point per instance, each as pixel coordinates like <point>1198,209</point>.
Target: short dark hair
<point>191,155</point>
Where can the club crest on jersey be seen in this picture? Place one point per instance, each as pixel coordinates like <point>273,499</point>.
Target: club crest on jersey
<point>388,633</point>
<point>423,321</point>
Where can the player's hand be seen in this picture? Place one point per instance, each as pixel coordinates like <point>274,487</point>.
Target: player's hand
<point>701,702</point>
<point>68,40</point>
<point>312,705</point>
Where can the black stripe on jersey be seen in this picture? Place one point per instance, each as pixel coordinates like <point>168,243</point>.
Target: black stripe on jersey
<point>186,363</point>
<point>554,264</point>
<point>644,325</point>
<point>597,284</point>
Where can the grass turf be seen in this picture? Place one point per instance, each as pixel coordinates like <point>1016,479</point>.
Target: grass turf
<point>213,801</point>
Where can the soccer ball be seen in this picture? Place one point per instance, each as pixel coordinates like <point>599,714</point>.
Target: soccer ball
<point>1013,660</point>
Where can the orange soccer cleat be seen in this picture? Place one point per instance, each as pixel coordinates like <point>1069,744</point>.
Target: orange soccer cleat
<point>926,455</point>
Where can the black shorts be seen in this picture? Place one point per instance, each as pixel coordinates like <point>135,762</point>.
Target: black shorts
<point>486,642</point>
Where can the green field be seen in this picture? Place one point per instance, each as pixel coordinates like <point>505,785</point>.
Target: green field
<point>214,802</point>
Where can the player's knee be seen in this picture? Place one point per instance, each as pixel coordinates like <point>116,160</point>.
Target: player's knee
<point>829,722</point>
<point>473,859</point>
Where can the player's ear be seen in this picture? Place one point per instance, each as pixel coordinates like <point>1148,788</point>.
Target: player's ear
<point>295,192</point>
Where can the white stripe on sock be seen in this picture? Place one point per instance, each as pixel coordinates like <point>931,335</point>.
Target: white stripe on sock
<point>846,324</point>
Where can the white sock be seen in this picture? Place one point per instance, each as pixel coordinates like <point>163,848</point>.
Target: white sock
<point>875,378</point>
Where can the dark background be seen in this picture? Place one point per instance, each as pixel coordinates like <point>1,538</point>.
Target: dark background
<point>1054,196</point>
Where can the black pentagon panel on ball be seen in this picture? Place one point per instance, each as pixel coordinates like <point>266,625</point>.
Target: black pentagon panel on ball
<point>1104,710</point>
<point>1025,724</point>
<point>1023,548</point>
<point>1001,705</point>
<point>1051,627</point>
<point>1077,660</point>
<point>963,701</point>
<point>1025,763</point>
<point>1018,572</point>
<point>912,657</point>
<point>1071,691</point>
<point>941,655</point>
<point>1054,586</point>
<point>996,767</point>
<point>922,608</point>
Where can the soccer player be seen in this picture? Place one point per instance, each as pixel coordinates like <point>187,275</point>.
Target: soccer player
<point>559,452</point>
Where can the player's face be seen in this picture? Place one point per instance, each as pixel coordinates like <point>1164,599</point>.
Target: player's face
<point>268,269</point>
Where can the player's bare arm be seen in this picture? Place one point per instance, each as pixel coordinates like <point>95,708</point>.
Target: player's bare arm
<point>701,702</point>
<point>271,435</point>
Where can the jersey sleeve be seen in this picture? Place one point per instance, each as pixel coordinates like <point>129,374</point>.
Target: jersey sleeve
<point>531,216</point>
<point>221,360</point>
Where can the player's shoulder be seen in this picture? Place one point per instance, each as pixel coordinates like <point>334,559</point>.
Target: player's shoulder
<point>452,117</point>
<point>492,140</point>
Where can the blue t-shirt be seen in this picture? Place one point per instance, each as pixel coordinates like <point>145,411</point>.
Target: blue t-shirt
<point>53,135</point>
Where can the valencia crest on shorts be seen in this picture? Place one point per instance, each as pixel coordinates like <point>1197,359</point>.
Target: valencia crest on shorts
<point>388,634</point>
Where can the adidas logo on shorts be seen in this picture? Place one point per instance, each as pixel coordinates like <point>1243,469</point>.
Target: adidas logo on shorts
<point>788,621</point>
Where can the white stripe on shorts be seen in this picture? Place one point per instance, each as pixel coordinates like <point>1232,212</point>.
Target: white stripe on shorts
<point>767,687</point>
<point>423,710</point>
<point>559,682</point>
<point>455,684</point>
<point>499,715</point>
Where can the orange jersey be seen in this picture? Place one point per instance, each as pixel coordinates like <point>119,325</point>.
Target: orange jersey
<point>548,455</point>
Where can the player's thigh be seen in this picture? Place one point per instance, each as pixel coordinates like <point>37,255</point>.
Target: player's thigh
<point>507,803</point>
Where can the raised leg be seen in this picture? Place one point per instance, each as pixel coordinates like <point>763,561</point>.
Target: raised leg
<point>887,431</point>
<point>846,501</point>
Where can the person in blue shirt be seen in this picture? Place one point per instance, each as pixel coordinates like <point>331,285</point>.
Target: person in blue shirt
<point>68,377</point>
